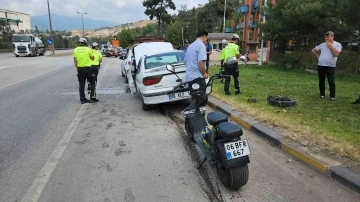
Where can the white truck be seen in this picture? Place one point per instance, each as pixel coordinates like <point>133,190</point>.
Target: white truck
<point>27,45</point>
<point>104,48</point>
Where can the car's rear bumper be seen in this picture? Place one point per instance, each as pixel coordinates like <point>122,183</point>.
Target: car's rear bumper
<point>167,96</point>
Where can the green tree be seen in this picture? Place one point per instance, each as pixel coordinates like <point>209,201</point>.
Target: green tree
<point>58,41</point>
<point>303,21</point>
<point>126,37</point>
<point>173,34</point>
<point>149,29</point>
<point>5,35</point>
<point>157,8</point>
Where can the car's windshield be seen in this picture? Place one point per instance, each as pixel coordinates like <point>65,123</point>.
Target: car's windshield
<point>164,59</point>
<point>20,38</point>
<point>105,46</point>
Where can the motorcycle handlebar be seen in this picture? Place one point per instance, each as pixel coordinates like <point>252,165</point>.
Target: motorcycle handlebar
<point>179,85</point>
<point>216,76</point>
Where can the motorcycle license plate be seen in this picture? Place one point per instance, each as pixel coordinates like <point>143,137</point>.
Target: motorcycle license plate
<point>236,149</point>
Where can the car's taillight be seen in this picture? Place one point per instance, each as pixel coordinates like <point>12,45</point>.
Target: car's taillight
<point>151,80</point>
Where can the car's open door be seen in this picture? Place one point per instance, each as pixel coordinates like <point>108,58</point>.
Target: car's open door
<point>131,78</point>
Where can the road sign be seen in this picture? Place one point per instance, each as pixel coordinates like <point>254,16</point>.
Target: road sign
<point>49,41</point>
<point>50,47</point>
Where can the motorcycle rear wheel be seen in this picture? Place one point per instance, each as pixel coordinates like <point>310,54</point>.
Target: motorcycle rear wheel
<point>233,178</point>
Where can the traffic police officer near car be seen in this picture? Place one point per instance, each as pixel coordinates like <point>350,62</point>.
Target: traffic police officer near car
<point>224,43</point>
<point>95,64</point>
<point>229,55</point>
<point>83,56</point>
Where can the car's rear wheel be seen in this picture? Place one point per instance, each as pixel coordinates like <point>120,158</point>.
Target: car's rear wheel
<point>144,106</point>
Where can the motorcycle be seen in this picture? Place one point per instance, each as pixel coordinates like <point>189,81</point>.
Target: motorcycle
<point>219,139</point>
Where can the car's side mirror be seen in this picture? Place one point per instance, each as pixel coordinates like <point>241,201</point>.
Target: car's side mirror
<point>170,68</point>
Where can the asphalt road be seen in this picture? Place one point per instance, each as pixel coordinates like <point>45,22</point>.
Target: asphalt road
<point>9,55</point>
<point>52,148</point>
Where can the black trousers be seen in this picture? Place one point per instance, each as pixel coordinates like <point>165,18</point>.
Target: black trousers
<point>95,69</point>
<point>202,89</point>
<point>232,70</point>
<point>329,72</point>
<point>86,73</point>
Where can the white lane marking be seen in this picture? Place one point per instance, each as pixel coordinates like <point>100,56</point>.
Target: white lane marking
<point>34,192</point>
<point>37,187</point>
<point>1,87</point>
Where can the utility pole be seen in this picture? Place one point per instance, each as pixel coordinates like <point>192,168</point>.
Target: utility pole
<point>224,15</point>
<point>82,20</point>
<point>262,39</point>
<point>51,35</point>
<point>182,35</point>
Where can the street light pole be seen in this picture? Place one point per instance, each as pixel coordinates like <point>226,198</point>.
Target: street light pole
<point>82,20</point>
<point>182,35</point>
<point>224,15</point>
<point>51,35</point>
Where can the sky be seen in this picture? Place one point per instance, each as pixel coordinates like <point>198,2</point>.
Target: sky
<point>119,11</point>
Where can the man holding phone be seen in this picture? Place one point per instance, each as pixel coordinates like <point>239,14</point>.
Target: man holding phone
<point>329,52</point>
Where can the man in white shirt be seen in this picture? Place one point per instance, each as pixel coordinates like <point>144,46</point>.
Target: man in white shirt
<point>329,51</point>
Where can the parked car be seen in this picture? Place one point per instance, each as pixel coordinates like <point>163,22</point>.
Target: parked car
<point>110,53</point>
<point>122,54</point>
<point>104,49</point>
<point>153,82</point>
<point>125,65</point>
<point>138,50</point>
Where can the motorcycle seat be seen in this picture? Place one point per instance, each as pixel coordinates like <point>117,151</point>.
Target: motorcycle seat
<point>229,130</point>
<point>214,118</point>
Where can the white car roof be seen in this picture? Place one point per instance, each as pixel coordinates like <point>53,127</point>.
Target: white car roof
<point>149,48</point>
<point>162,52</point>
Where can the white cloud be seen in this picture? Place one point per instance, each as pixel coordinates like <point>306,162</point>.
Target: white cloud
<point>120,11</point>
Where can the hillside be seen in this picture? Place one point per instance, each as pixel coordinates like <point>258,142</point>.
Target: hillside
<point>103,32</point>
<point>68,22</point>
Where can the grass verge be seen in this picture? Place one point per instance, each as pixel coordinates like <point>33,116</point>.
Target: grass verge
<point>324,125</point>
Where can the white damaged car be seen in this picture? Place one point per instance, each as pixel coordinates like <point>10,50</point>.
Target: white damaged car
<point>151,80</point>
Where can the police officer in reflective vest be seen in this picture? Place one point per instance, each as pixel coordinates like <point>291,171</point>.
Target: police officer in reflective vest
<point>83,56</point>
<point>230,54</point>
<point>224,43</point>
<point>95,64</point>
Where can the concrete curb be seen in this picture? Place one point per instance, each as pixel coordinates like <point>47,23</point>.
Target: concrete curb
<point>60,54</point>
<point>323,165</point>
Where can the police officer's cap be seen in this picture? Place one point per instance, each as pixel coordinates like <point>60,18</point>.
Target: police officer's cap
<point>186,41</point>
<point>202,33</point>
<point>95,44</point>
<point>83,41</point>
<point>235,36</point>
<point>224,41</point>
